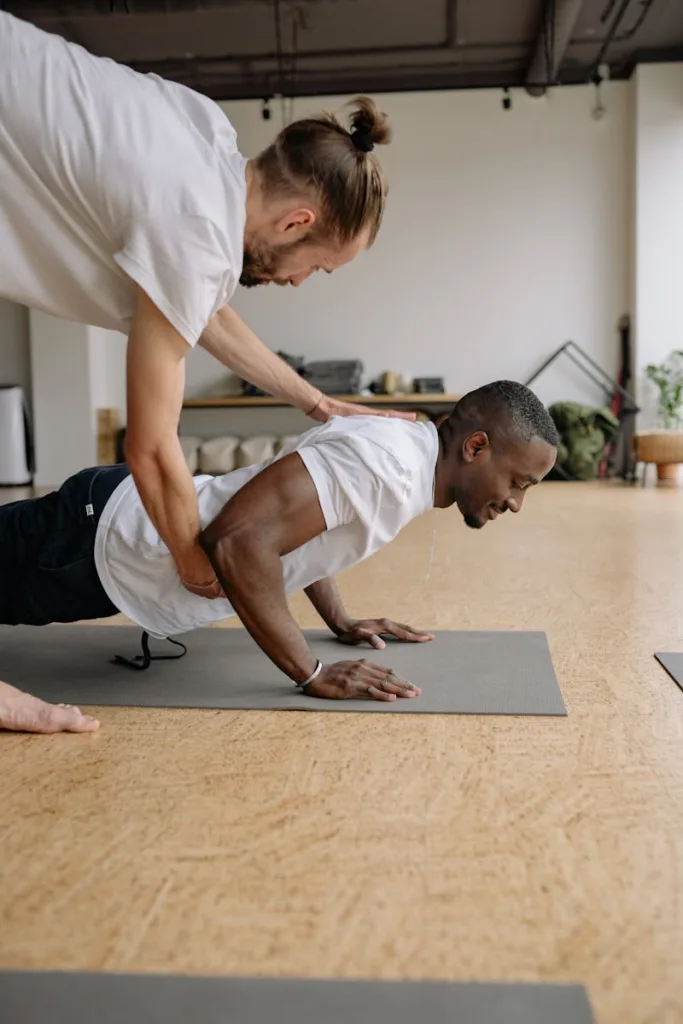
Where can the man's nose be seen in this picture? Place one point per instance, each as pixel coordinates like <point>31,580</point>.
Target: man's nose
<point>515,502</point>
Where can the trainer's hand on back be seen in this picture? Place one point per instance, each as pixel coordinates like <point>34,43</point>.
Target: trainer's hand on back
<point>328,407</point>
<point>345,680</point>
<point>370,631</point>
<point>197,575</point>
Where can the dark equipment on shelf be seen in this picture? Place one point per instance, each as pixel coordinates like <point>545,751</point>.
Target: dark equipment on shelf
<point>429,385</point>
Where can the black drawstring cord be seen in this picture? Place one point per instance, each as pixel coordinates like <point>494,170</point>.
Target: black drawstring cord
<point>142,661</point>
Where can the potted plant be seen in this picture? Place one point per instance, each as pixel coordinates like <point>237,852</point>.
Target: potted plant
<point>668,379</point>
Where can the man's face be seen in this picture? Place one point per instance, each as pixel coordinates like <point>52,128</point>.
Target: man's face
<point>293,262</point>
<point>490,482</point>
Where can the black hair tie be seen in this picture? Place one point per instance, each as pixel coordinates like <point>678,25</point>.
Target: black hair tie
<point>362,141</point>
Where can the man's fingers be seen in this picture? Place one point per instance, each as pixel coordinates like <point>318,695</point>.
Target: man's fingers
<point>405,632</point>
<point>400,687</point>
<point>389,684</point>
<point>375,693</point>
<point>373,639</point>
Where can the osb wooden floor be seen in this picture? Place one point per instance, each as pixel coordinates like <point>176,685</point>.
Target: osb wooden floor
<point>395,847</point>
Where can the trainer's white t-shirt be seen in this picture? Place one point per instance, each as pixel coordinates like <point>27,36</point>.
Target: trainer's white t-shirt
<point>110,178</point>
<point>372,476</point>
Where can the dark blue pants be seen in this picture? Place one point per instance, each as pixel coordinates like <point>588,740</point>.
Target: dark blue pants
<point>47,561</point>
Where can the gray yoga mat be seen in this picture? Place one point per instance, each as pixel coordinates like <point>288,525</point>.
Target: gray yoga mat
<point>673,663</point>
<point>461,672</point>
<point>63,998</point>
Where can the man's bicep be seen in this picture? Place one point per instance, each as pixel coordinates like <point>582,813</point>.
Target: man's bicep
<point>279,507</point>
<point>155,373</point>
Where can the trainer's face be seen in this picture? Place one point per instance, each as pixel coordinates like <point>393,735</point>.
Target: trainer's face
<point>492,482</point>
<point>294,252</point>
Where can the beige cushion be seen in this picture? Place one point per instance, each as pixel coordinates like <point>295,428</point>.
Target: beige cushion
<point>256,449</point>
<point>218,455</point>
<point>190,447</point>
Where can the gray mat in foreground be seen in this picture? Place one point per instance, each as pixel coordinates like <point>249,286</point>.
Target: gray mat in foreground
<point>475,673</point>
<point>673,663</point>
<point>36,998</point>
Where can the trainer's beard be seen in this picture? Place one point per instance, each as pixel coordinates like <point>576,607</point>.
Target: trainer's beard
<point>261,266</point>
<point>257,268</point>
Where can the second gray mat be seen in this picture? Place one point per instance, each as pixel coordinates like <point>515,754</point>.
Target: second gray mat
<point>673,663</point>
<point>55,998</point>
<point>483,673</point>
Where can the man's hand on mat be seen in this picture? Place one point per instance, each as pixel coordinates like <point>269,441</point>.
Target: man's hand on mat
<point>328,407</point>
<point>344,680</point>
<point>21,712</point>
<point>370,631</point>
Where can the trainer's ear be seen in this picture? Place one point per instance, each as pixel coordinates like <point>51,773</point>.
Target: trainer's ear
<point>476,445</point>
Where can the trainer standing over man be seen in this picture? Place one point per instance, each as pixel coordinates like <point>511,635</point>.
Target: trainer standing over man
<point>125,203</point>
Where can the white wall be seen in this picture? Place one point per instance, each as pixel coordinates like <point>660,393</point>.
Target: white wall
<point>15,355</point>
<point>658,263</point>
<point>65,436</point>
<point>506,233</point>
<point>76,371</point>
<point>108,369</point>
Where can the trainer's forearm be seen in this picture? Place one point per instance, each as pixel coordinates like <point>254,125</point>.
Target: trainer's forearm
<point>326,599</point>
<point>235,345</point>
<point>166,490</point>
<point>251,577</point>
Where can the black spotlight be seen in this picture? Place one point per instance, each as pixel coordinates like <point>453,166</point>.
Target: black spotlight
<point>506,100</point>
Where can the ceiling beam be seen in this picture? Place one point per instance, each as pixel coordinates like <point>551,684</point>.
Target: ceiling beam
<point>557,24</point>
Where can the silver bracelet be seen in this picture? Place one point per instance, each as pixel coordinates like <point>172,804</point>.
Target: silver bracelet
<point>314,675</point>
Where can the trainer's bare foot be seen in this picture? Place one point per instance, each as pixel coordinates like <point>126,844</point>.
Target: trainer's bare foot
<point>21,712</point>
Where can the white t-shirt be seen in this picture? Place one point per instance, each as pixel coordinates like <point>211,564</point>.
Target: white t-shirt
<point>110,178</point>
<point>372,477</point>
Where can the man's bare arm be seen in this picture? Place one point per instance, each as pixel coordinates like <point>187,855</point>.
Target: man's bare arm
<point>275,513</point>
<point>155,382</point>
<point>327,601</point>
<point>229,340</point>
<point>325,597</point>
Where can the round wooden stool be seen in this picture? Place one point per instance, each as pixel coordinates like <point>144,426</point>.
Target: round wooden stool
<point>664,448</point>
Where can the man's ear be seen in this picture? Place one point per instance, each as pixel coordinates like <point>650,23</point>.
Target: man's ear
<point>295,224</point>
<point>474,445</point>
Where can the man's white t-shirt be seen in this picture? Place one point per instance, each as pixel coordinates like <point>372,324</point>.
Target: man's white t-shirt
<point>372,477</point>
<point>110,178</point>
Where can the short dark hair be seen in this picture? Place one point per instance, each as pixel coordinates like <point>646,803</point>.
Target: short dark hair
<point>508,405</point>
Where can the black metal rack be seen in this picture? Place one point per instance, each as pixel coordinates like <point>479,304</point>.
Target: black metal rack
<point>610,386</point>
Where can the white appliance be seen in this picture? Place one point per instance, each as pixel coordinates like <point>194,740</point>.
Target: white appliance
<point>16,439</point>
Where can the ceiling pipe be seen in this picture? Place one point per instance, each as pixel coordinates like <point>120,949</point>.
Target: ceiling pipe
<point>557,25</point>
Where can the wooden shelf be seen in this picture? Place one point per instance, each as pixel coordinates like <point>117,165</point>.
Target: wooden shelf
<point>254,402</point>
